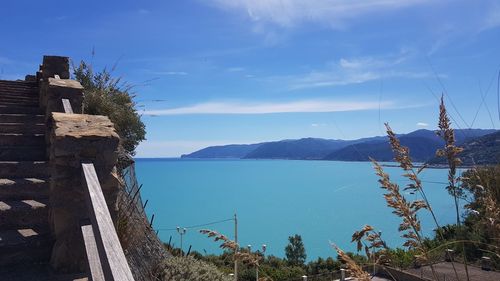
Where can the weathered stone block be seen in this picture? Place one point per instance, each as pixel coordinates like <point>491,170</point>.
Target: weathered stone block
<point>55,65</point>
<point>77,138</point>
<point>54,90</point>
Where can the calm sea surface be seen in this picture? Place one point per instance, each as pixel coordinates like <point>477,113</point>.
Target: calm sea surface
<point>321,200</point>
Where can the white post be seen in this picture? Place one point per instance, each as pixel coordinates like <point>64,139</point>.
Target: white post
<point>304,278</point>
<point>342,274</point>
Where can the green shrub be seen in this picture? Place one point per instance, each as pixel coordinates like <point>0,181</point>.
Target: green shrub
<point>105,95</point>
<point>189,268</point>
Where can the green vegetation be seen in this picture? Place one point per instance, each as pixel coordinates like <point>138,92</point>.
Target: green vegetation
<point>295,251</point>
<point>105,95</point>
<point>189,268</point>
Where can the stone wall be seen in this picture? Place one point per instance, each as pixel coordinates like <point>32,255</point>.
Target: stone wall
<point>77,138</point>
<point>71,140</point>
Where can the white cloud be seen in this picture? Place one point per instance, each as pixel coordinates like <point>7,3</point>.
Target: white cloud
<point>235,69</point>
<point>318,124</point>
<point>170,73</point>
<point>268,108</point>
<point>335,13</point>
<point>4,60</point>
<point>355,71</point>
<point>492,19</point>
<point>422,124</point>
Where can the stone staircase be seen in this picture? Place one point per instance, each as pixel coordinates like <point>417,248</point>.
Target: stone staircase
<point>24,187</point>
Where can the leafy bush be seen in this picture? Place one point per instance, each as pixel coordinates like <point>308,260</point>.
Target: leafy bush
<point>105,95</point>
<point>189,268</point>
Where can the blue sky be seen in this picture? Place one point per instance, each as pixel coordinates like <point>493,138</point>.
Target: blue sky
<point>242,71</point>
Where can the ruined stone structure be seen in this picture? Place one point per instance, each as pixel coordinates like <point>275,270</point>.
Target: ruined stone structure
<point>42,198</point>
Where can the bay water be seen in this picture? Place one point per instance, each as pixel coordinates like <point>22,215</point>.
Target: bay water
<point>323,201</point>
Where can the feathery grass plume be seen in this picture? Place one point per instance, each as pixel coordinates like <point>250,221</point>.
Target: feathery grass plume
<point>407,211</point>
<point>352,267</point>
<point>228,244</point>
<point>402,208</point>
<point>450,152</point>
<point>375,248</point>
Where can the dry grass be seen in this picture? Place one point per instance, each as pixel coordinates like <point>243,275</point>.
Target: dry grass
<point>228,244</point>
<point>352,267</point>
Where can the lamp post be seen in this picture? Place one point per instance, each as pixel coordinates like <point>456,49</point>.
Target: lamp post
<point>264,247</point>
<point>181,232</point>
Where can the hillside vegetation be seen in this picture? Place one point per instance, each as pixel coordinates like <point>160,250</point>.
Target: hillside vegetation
<point>422,144</point>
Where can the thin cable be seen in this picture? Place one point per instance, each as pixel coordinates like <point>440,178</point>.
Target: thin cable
<point>197,225</point>
<point>446,93</point>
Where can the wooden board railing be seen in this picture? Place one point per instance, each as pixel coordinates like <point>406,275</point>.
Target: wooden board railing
<point>67,106</point>
<point>109,250</point>
<point>94,262</point>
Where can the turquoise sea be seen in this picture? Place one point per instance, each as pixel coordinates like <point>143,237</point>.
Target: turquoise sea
<point>321,200</point>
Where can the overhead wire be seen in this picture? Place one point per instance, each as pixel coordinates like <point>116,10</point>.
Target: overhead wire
<point>197,225</point>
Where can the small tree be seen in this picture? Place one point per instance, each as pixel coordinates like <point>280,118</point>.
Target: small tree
<point>295,251</point>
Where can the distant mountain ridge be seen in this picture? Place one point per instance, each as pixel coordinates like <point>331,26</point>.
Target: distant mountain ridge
<point>422,144</point>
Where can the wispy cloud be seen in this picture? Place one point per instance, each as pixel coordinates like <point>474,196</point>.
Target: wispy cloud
<point>492,19</point>
<point>169,73</point>
<point>422,124</point>
<point>4,60</point>
<point>269,108</point>
<point>236,69</point>
<point>347,71</point>
<point>319,124</point>
<point>335,13</point>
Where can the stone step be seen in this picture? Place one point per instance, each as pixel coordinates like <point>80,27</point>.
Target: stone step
<point>23,213</point>
<point>18,84</point>
<point>11,109</point>
<point>22,153</point>
<point>17,103</point>
<point>19,93</point>
<point>22,246</point>
<point>23,188</point>
<point>13,99</point>
<point>16,97</point>
<point>21,118</point>
<point>38,272</point>
<point>20,128</point>
<point>23,169</point>
<point>22,140</point>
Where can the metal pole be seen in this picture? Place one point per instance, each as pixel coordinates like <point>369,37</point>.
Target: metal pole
<point>256,272</point>
<point>236,250</point>
<point>181,244</point>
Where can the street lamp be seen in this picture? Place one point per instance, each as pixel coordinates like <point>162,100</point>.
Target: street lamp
<point>264,247</point>
<point>181,232</point>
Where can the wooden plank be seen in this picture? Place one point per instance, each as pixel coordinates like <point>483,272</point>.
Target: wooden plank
<point>92,253</point>
<point>67,106</point>
<point>114,263</point>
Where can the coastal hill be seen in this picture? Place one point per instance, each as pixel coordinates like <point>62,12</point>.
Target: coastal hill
<point>479,151</point>
<point>422,143</point>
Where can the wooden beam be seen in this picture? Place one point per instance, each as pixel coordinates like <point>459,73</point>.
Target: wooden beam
<point>67,106</point>
<point>92,253</point>
<point>114,263</point>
